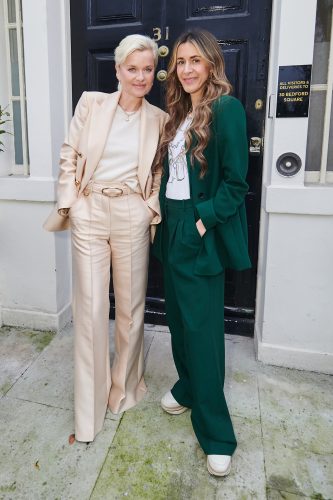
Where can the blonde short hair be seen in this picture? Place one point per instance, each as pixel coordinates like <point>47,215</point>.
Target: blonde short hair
<point>131,43</point>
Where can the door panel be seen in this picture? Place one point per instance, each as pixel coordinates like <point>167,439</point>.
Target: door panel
<point>198,8</point>
<point>102,12</point>
<point>235,55</point>
<point>242,29</point>
<point>97,28</point>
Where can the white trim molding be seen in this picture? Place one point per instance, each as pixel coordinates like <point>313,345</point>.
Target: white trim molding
<point>36,320</point>
<point>28,188</point>
<point>310,200</point>
<point>289,357</point>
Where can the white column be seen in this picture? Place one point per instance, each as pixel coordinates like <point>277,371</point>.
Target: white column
<point>294,316</point>
<point>35,265</point>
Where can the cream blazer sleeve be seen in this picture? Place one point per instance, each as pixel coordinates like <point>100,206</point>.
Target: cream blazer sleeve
<point>154,182</point>
<point>70,155</point>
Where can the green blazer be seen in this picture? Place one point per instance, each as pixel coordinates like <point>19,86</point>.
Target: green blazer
<point>218,197</point>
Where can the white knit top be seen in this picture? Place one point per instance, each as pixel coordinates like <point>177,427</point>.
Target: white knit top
<point>119,162</point>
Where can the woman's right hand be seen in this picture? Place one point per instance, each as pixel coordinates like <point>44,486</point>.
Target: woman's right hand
<point>200,227</point>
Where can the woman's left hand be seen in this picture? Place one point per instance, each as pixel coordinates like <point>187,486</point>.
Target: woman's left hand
<point>200,227</point>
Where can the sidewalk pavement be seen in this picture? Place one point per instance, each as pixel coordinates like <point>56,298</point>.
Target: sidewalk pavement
<point>283,420</point>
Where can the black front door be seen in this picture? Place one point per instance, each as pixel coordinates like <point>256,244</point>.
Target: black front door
<point>242,28</point>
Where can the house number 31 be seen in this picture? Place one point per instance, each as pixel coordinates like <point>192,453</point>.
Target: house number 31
<point>158,33</point>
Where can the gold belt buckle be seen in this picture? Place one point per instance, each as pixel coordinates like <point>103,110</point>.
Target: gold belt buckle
<point>112,195</point>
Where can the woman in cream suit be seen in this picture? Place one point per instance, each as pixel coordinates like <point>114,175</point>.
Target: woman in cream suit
<point>108,196</point>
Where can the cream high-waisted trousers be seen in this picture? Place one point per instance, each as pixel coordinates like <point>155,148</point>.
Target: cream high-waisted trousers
<point>108,230</point>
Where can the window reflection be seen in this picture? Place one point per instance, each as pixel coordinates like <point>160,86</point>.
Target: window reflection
<point>11,11</point>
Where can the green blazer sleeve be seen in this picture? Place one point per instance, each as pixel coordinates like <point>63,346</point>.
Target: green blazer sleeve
<point>229,125</point>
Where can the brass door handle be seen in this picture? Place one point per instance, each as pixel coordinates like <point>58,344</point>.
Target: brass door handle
<point>163,51</point>
<point>161,75</point>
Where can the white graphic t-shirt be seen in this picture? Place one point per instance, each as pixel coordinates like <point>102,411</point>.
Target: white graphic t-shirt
<point>178,186</point>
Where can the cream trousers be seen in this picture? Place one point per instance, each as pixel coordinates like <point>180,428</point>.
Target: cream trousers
<point>108,231</point>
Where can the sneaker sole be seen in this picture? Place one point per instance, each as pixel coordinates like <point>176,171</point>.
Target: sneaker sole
<point>174,411</point>
<point>213,472</point>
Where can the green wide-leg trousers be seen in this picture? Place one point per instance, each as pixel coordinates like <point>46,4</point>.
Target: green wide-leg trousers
<point>194,307</point>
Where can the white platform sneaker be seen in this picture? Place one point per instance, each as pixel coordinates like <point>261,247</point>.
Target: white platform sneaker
<point>170,405</point>
<point>219,465</point>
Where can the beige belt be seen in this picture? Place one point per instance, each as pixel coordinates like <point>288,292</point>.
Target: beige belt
<point>112,190</point>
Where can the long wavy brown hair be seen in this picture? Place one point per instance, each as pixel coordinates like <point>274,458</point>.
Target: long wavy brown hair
<point>178,102</point>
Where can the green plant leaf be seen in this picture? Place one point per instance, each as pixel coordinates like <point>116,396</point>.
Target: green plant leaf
<point>3,121</point>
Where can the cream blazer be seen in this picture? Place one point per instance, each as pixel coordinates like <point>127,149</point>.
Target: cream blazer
<point>84,146</point>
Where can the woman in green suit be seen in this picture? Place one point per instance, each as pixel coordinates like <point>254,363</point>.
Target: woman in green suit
<point>204,156</point>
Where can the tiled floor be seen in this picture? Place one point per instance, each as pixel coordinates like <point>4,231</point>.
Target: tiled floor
<point>283,421</point>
